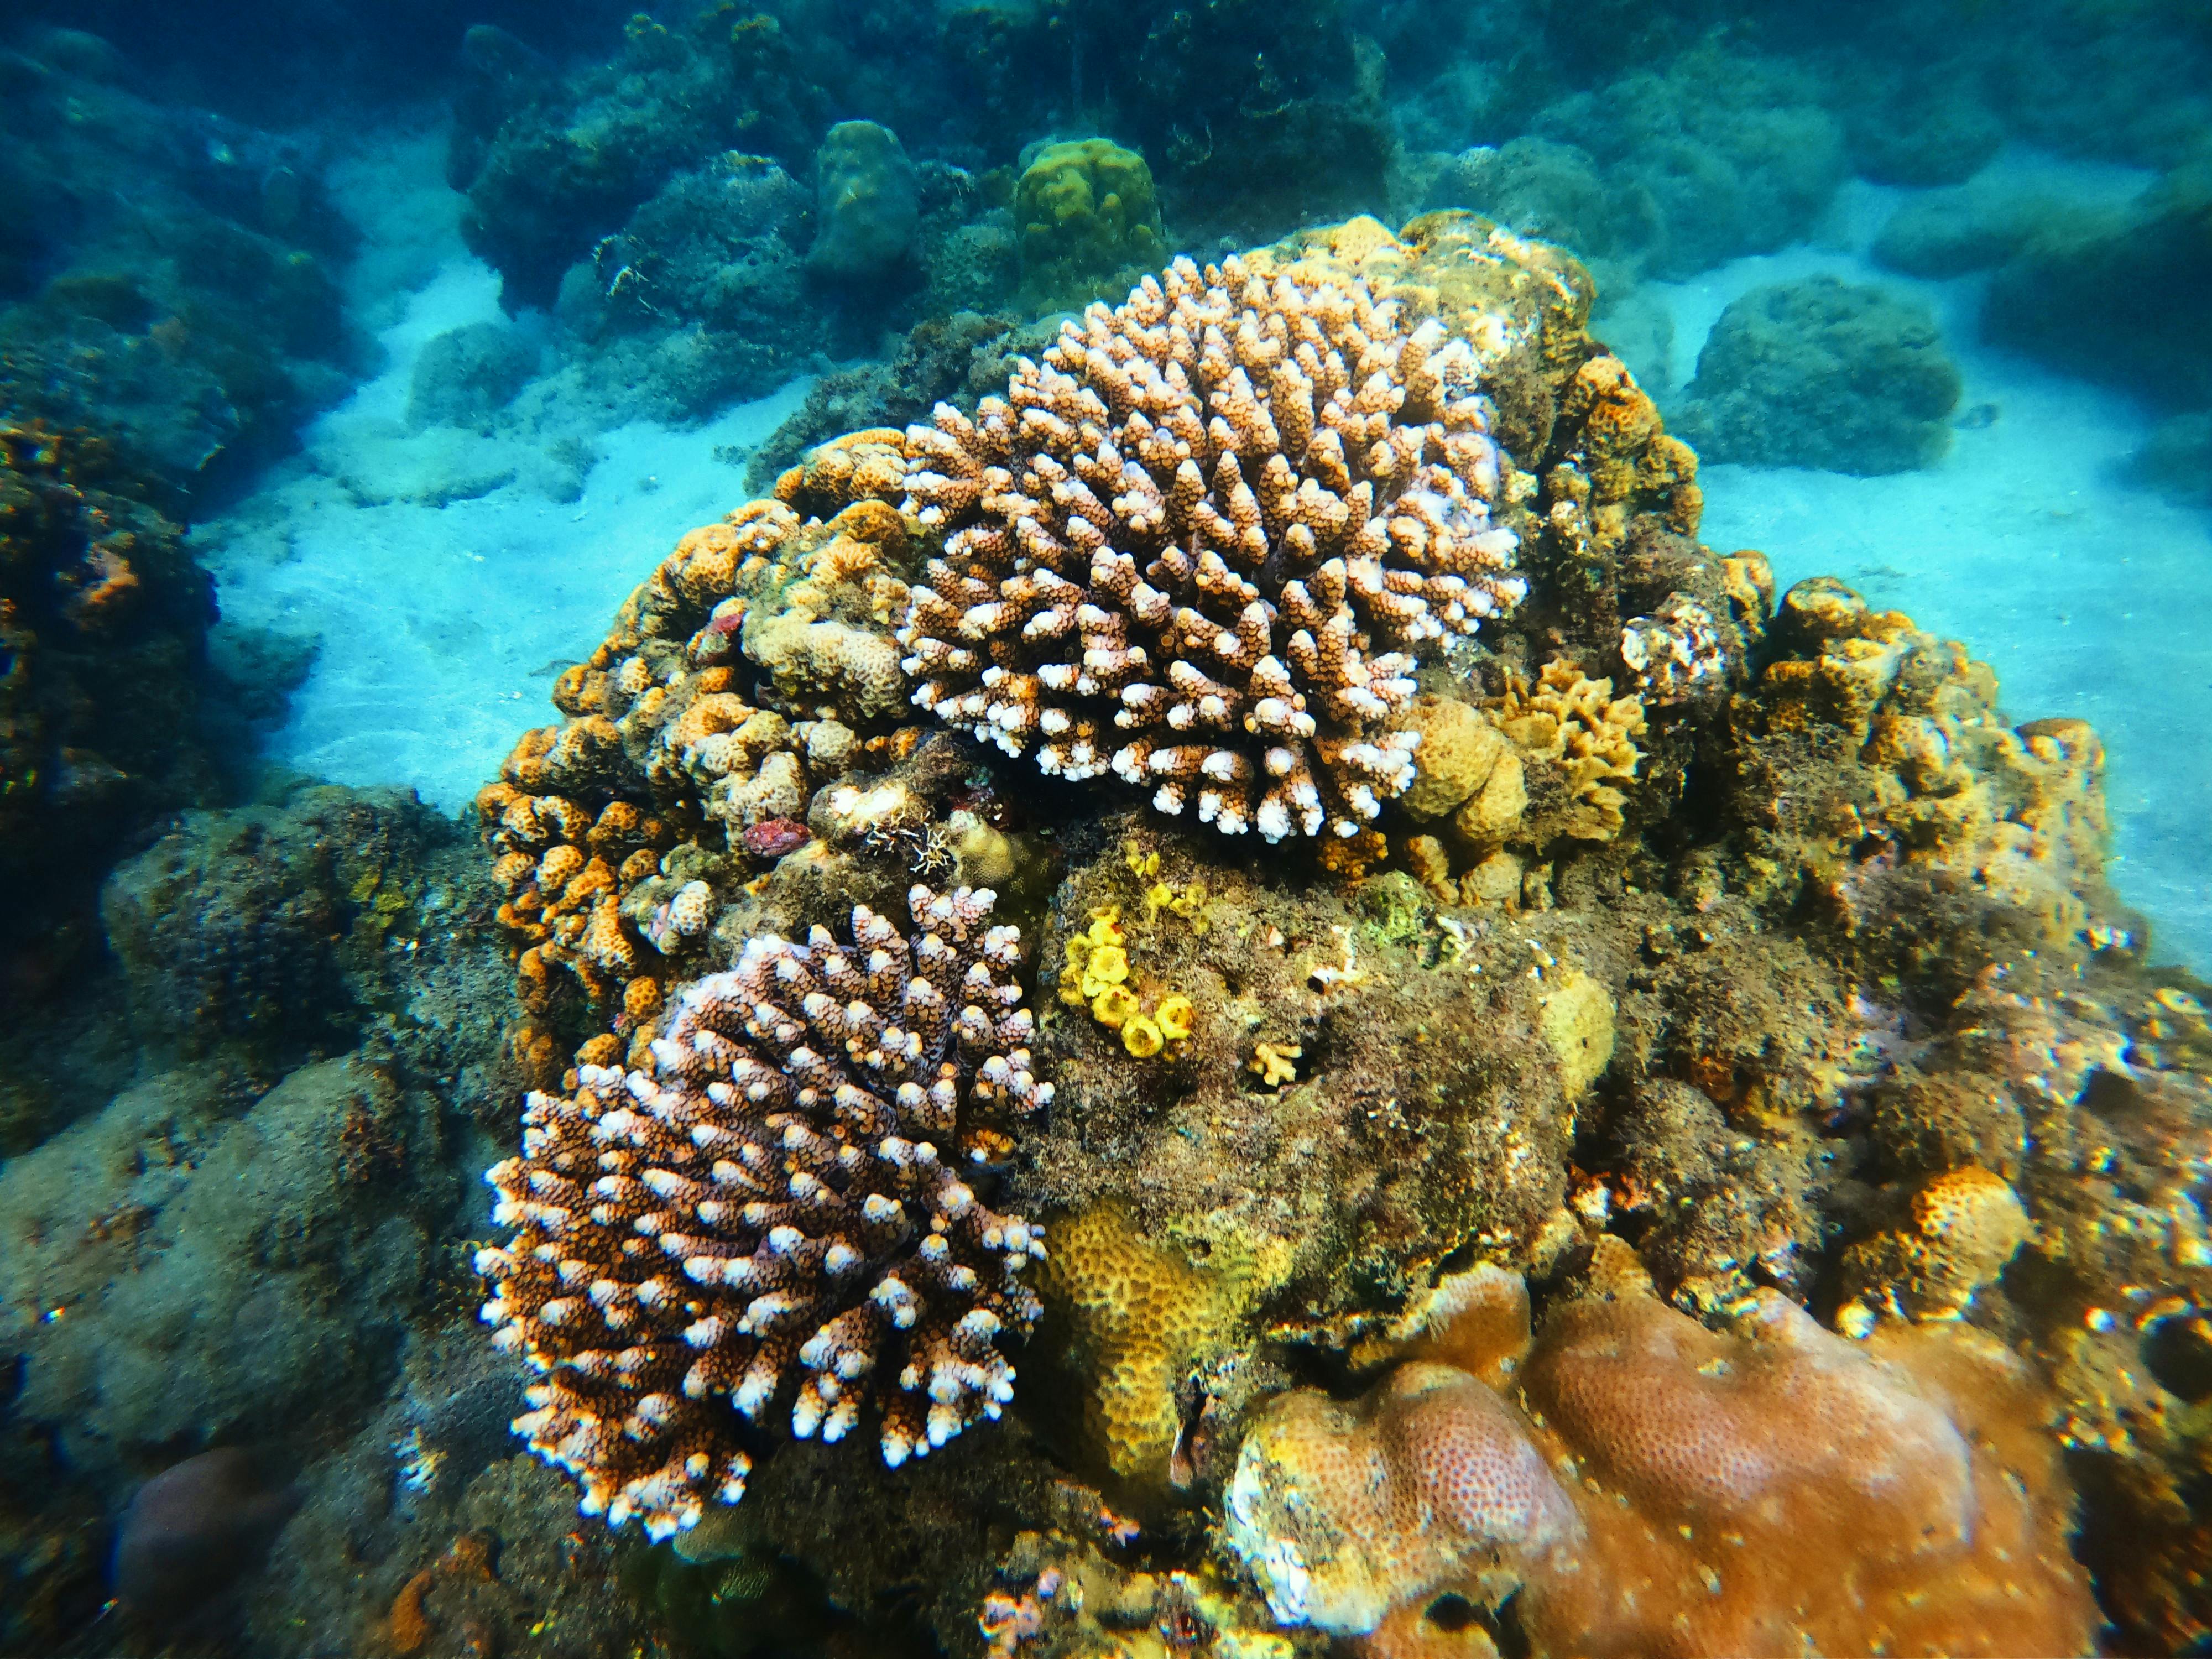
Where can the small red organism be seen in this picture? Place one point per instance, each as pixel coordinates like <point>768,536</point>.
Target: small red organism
<point>771,838</point>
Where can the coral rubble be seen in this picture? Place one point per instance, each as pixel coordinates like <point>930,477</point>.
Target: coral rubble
<point>774,1208</point>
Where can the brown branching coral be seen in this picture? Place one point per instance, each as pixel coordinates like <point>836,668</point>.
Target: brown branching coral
<point>773,1217</point>
<point>1201,543</point>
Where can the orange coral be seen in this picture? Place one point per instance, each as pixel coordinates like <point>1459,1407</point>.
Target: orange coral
<point>1665,1490</point>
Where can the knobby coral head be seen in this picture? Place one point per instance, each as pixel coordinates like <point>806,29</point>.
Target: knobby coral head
<point>774,1215</point>
<point>1203,543</point>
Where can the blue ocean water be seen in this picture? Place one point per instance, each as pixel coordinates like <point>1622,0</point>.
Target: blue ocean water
<point>357,364</point>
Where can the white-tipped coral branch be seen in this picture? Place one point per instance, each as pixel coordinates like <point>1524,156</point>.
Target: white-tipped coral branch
<point>1202,544</point>
<point>773,1219</point>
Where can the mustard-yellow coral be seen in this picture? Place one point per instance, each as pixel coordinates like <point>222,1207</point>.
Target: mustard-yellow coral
<point>1095,973</point>
<point>1087,218</point>
<point>1576,724</point>
<point>1144,1309</point>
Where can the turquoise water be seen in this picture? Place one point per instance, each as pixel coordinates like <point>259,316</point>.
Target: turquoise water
<point>357,364</point>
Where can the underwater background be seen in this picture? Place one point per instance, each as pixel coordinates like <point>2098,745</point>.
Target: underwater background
<point>1041,828</point>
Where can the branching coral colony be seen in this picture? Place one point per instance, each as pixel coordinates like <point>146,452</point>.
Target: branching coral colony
<point>1201,545</point>
<point>772,1214</point>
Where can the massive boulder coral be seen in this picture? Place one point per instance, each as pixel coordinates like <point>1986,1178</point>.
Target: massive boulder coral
<point>774,1209</point>
<point>1087,218</point>
<point>1196,523</point>
<point>1638,1484</point>
<point>1826,374</point>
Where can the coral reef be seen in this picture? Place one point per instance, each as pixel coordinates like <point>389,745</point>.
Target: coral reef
<point>700,296</point>
<point>103,616</point>
<point>549,165</point>
<point>1741,929</point>
<point>1824,373</point>
<point>1366,516</point>
<point>163,281</point>
<point>1704,1476</point>
<point>257,1265</point>
<point>1749,932</point>
<point>1733,153</point>
<point>1268,115</point>
<point>953,359</point>
<point>1541,188</point>
<point>673,742</point>
<point>2010,820</point>
<point>466,375</point>
<point>1968,227</point>
<point>811,1232</point>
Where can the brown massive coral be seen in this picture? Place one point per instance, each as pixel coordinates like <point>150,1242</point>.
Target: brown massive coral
<point>1203,543</point>
<point>1649,1486</point>
<point>773,1216</point>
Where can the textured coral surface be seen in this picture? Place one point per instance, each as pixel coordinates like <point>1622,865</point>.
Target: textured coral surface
<point>1224,519</point>
<point>1647,1485</point>
<point>774,1209</point>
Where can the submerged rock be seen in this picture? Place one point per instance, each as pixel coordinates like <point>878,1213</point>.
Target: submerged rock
<point>2116,296</point>
<point>866,201</point>
<point>1824,373</point>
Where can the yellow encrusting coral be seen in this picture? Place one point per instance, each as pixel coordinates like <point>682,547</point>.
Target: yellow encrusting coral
<point>1095,973</point>
<point>1145,1307</point>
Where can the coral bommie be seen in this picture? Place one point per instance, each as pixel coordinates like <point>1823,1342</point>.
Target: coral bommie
<point>1200,544</point>
<point>771,1216</point>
